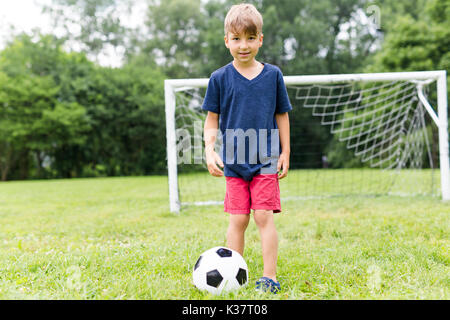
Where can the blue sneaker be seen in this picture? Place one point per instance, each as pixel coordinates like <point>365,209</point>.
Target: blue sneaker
<point>267,284</point>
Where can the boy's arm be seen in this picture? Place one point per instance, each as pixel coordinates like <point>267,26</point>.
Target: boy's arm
<point>210,133</point>
<point>284,130</point>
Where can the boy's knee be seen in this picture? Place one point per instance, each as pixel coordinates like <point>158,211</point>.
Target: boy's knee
<point>239,221</point>
<point>263,217</point>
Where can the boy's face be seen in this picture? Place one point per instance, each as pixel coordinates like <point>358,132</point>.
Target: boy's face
<point>243,47</point>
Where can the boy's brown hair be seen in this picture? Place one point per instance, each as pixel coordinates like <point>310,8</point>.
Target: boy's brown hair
<point>245,18</point>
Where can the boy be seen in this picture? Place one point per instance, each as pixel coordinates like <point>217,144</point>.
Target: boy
<point>250,100</point>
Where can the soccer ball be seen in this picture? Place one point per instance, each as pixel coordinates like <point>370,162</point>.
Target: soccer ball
<point>220,269</point>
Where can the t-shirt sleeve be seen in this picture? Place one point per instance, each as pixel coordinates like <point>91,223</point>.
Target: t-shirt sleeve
<point>283,103</point>
<point>212,96</point>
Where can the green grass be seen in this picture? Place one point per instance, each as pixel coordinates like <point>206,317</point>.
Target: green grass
<point>114,238</point>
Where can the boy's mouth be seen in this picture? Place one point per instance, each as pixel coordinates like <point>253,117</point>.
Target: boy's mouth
<point>244,54</point>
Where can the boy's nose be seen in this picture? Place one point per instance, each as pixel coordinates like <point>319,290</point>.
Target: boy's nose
<point>244,45</point>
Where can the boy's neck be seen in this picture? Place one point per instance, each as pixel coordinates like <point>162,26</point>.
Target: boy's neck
<point>248,65</point>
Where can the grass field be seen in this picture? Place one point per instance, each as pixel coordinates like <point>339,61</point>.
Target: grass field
<point>114,238</point>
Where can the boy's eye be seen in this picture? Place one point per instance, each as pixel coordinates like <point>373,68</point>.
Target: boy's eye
<point>250,38</point>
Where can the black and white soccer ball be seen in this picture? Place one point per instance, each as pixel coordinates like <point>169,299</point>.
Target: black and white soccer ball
<point>220,269</point>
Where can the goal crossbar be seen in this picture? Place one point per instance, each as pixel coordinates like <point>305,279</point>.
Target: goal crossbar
<point>171,86</point>
<point>328,78</point>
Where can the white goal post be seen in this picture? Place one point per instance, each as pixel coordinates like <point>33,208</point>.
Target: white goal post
<point>419,78</point>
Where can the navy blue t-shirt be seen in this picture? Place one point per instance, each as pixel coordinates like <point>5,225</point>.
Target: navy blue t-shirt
<point>247,122</point>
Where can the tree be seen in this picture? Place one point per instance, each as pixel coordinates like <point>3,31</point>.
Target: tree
<point>186,37</point>
<point>176,33</point>
<point>63,116</point>
<point>93,26</point>
<point>126,108</point>
<point>34,120</point>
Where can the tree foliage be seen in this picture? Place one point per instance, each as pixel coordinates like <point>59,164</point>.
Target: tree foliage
<point>417,42</point>
<point>63,116</point>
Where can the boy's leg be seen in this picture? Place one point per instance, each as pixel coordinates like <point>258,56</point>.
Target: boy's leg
<point>269,241</point>
<point>236,230</point>
<point>265,195</point>
<point>237,204</point>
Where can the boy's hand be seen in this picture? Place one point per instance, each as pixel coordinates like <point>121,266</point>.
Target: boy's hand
<point>212,159</point>
<point>283,163</point>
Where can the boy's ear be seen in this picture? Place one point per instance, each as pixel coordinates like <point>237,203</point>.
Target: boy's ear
<point>225,38</point>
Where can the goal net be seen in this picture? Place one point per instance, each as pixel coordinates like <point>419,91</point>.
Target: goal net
<point>356,134</point>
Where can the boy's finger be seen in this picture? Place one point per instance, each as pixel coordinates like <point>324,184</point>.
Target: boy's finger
<point>215,171</point>
<point>219,160</point>
<point>211,168</point>
<point>218,173</point>
<point>284,172</point>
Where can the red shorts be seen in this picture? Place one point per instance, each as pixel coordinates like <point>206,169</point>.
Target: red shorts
<point>262,193</point>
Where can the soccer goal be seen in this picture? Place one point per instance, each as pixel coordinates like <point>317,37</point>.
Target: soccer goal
<point>351,134</point>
